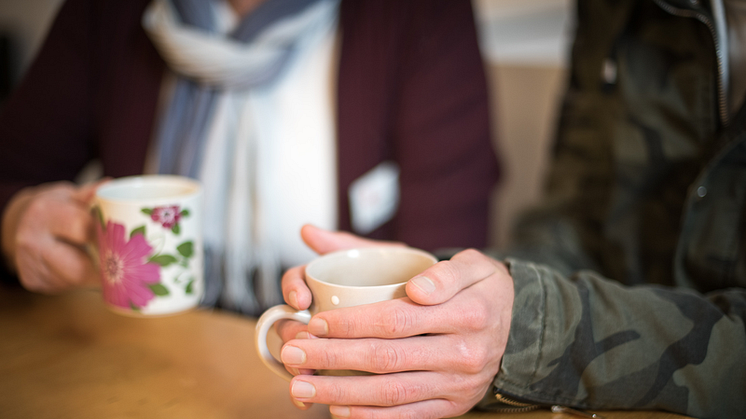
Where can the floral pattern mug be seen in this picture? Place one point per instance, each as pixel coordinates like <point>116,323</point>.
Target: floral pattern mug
<point>149,244</point>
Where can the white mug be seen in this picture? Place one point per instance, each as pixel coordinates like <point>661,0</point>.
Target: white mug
<point>342,279</point>
<point>149,244</point>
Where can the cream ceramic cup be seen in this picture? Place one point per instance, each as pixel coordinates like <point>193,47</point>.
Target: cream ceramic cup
<point>149,244</point>
<point>345,279</point>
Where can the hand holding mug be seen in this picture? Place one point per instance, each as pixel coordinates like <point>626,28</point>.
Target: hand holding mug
<point>440,349</point>
<point>45,233</point>
<point>346,278</point>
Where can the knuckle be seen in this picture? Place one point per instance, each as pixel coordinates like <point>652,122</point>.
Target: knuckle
<point>473,359</point>
<point>476,318</point>
<point>25,242</point>
<point>460,408</point>
<point>328,359</point>
<point>471,388</point>
<point>78,227</point>
<point>445,273</point>
<point>477,390</point>
<point>395,393</point>
<point>397,321</point>
<point>336,393</point>
<point>471,254</point>
<point>34,283</point>
<point>345,326</point>
<point>30,283</point>
<point>46,255</point>
<point>387,357</point>
<point>36,208</point>
<point>470,257</point>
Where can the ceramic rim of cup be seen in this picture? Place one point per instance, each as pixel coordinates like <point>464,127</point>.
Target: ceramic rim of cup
<point>378,249</point>
<point>122,190</point>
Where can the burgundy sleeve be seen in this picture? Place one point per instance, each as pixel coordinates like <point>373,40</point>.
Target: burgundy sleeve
<point>45,130</point>
<point>44,125</point>
<point>91,93</point>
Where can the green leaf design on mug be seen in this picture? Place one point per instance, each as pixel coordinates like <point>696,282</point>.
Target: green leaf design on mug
<point>163,260</point>
<point>190,287</point>
<point>176,229</point>
<point>184,213</point>
<point>158,289</point>
<point>147,211</point>
<point>186,249</point>
<point>138,230</point>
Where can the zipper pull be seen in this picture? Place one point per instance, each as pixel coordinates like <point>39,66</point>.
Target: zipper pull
<point>563,409</point>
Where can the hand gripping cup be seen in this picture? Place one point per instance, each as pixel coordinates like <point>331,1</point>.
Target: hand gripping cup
<point>342,279</point>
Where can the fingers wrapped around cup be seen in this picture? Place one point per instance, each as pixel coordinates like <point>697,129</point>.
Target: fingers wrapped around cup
<point>421,360</point>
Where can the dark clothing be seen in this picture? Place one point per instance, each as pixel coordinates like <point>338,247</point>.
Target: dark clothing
<point>411,88</point>
<point>648,188</point>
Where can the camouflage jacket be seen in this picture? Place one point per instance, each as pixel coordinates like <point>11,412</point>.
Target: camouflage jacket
<point>630,279</point>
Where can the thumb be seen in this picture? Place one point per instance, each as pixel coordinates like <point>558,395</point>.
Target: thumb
<point>445,279</point>
<point>86,192</point>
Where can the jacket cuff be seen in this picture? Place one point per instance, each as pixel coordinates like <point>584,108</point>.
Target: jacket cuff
<point>527,328</point>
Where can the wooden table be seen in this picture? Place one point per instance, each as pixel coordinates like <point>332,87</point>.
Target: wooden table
<point>67,356</point>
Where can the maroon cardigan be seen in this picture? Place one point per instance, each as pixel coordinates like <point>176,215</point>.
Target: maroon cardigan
<point>411,89</point>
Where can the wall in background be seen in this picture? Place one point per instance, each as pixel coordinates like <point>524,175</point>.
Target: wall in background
<point>525,45</point>
<point>524,32</point>
<point>25,22</point>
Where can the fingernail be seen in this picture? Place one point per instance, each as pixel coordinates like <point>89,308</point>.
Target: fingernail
<point>293,356</point>
<point>340,411</point>
<point>303,389</point>
<point>424,283</point>
<point>293,299</point>
<point>299,403</point>
<point>318,327</point>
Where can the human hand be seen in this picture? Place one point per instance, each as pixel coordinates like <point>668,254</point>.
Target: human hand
<point>438,350</point>
<point>294,288</point>
<point>45,231</point>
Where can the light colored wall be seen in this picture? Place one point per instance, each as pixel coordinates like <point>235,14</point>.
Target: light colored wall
<point>524,101</point>
<point>525,44</point>
<point>28,21</point>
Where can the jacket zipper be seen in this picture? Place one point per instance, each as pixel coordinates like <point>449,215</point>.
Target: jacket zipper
<point>519,407</point>
<point>722,101</point>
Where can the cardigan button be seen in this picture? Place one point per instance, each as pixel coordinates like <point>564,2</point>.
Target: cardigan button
<point>701,192</point>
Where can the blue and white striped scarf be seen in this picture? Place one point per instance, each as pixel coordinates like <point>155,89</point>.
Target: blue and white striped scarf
<point>209,65</point>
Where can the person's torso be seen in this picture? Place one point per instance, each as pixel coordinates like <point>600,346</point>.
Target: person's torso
<point>675,211</point>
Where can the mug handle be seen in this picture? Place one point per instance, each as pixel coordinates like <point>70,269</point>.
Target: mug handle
<point>263,325</point>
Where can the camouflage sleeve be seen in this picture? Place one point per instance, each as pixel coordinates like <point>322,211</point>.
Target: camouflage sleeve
<point>588,342</point>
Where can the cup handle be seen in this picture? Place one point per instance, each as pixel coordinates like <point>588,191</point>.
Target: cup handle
<point>263,325</point>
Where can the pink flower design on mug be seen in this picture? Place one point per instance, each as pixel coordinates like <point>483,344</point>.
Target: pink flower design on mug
<point>168,216</point>
<point>126,271</point>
